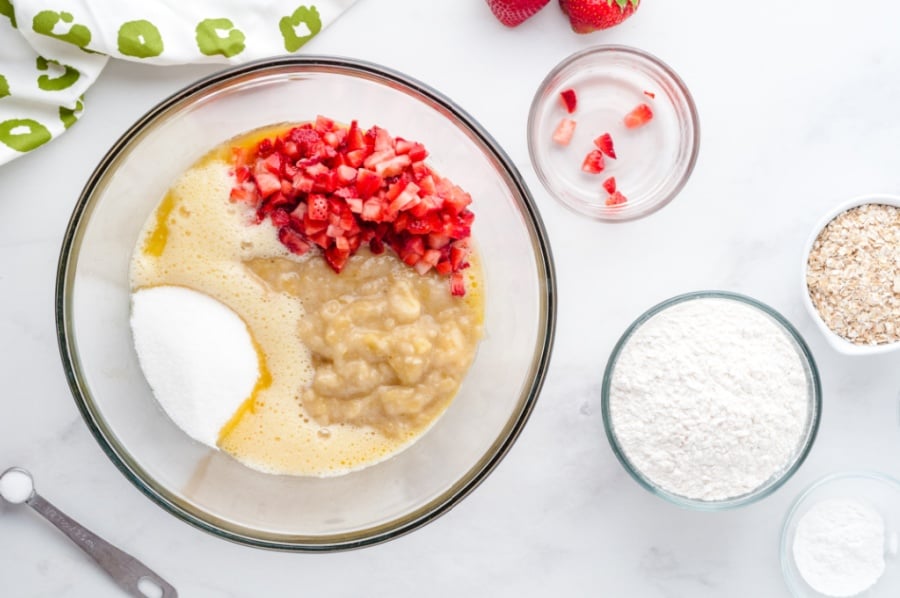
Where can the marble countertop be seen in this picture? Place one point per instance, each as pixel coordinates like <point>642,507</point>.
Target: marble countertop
<point>798,108</point>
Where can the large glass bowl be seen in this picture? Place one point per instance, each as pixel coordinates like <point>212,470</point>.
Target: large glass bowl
<point>803,446</point>
<point>211,490</point>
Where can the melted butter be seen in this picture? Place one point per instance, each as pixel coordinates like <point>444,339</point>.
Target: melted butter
<point>253,401</point>
<point>155,242</point>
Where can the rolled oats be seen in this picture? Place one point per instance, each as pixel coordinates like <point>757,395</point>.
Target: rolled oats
<point>853,274</point>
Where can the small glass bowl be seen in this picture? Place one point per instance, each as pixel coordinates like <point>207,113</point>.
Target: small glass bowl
<point>803,447</point>
<point>876,490</point>
<point>653,161</point>
<point>835,340</point>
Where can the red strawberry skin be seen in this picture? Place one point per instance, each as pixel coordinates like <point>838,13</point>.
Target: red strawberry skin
<point>587,16</point>
<point>514,12</point>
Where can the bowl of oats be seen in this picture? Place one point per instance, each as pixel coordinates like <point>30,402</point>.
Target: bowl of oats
<point>851,275</point>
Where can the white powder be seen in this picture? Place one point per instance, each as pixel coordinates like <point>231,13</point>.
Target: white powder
<point>839,547</point>
<point>16,486</point>
<point>709,399</point>
<point>197,356</point>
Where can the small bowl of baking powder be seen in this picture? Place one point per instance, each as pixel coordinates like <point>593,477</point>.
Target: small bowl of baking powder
<point>840,538</point>
<point>851,275</point>
<point>711,400</point>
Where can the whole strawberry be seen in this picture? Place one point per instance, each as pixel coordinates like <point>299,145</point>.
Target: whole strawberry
<point>515,12</point>
<point>590,15</point>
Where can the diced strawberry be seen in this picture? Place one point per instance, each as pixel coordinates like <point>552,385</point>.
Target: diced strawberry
<point>419,170</point>
<point>371,210</point>
<point>246,193</point>
<point>267,183</point>
<point>346,174</point>
<point>438,241</point>
<point>368,182</point>
<point>383,140</point>
<point>593,162</point>
<point>418,152</point>
<point>337,258</point>
<point>355,158</point>
<point>241,174</point>
<point>355,138</point>
<point>311,227</point>
<point>355,204</point>
<point>318,207</point>
<point>376,246</point>
<point>293,240</point>
<point>457,284</point>
<point>458,257</point>
<point>426,185</point>
<point>649,94</point>
<point>323,124</point>
<point>392,166</point>
<point>616,199</point>
<point>302,183</point>
<point>280,217</point>
<point>610,185</point>
<point>456,200</point>
<point>564,131</point>
<point>569,100</point>
<point>605,144</point>
<point>338,188</point>
<point>638,117</point>
<point>443,268</point>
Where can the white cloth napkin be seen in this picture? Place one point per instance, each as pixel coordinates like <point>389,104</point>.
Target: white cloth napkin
<point>51,52</point>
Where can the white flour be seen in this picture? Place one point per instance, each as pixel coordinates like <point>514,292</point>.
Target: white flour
<point>839,547</point>
<point>709,399</point>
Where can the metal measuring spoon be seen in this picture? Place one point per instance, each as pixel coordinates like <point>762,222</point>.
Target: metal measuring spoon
<point>17,487</point>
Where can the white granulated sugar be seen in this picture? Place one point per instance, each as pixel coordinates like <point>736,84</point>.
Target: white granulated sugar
<point>839,547</point>
<point>709,399</point>
<point>197,356</point>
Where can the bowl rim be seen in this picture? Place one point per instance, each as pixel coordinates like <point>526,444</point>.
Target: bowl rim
<point>839,343</point>
<point>810,434</point>
<point>346,540</point>
<point>785,554</point>
<point>635,54</point>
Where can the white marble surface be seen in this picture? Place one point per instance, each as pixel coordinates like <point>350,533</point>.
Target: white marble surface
<point>799,110</point>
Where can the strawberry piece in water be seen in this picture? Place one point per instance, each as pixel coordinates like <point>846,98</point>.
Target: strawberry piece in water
<point>638,117</point>
<point>604,143</point>
<point>569,100</point>
<point>564,131</point>
<point>593,162</point>
<point>610,185</point>
<point>616,199</point>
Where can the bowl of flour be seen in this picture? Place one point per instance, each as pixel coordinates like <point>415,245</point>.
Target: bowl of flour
<point>840,538</point>
<point>711,400</point>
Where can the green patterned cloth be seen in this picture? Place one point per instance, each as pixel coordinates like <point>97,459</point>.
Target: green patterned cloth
<point>51,52</point>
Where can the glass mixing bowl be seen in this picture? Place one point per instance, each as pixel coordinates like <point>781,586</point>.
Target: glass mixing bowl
<point>209,489</point>
<point>803,446</point>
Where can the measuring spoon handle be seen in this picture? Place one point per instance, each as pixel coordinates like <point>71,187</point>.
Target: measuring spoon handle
<point>126,570</point>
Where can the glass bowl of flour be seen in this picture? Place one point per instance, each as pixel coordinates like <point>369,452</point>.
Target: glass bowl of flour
<point>840,537</point>
<point>711,400</point>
